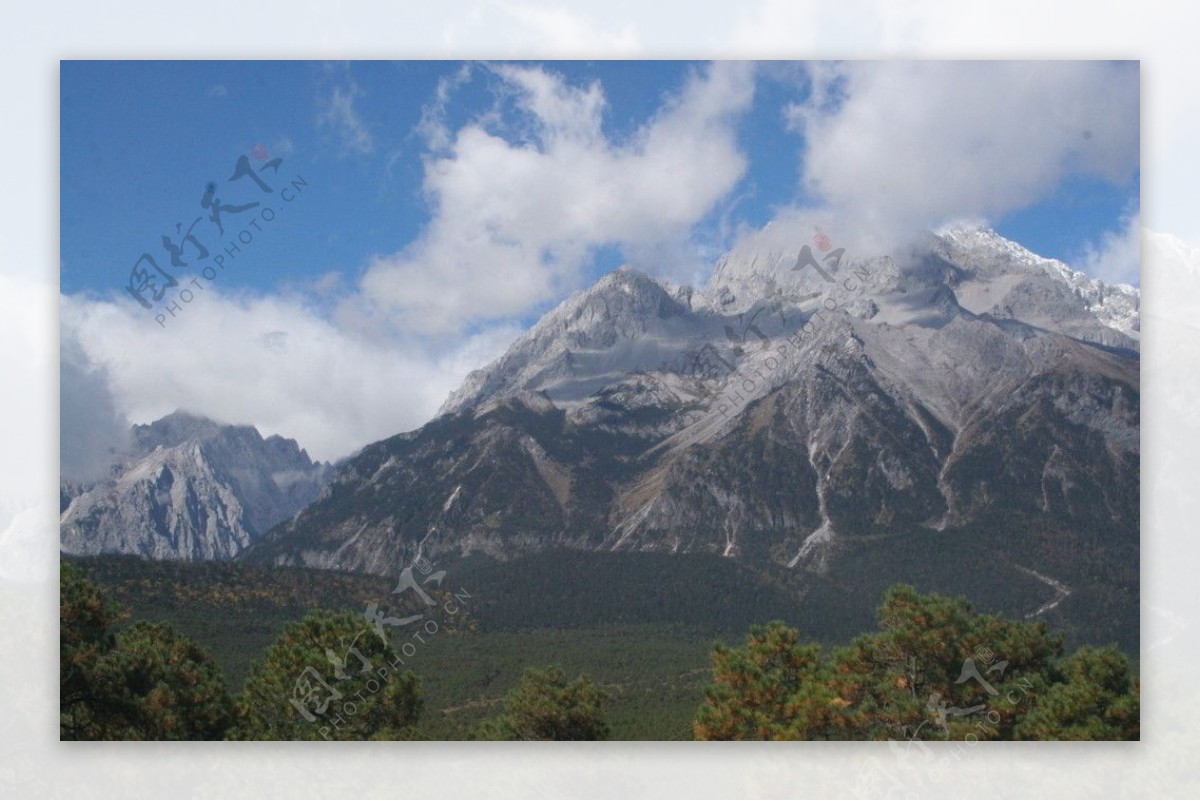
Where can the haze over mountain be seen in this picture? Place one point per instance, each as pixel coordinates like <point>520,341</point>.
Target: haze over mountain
<point>191,488</point>
<point>964,411</point>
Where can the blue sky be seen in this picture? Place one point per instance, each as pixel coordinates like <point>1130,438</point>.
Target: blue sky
<point>445,205</point>
<point>140,140</point>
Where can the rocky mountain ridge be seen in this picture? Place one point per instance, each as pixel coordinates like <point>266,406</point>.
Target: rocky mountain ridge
<point>191,488</point>
<point>808,411</point>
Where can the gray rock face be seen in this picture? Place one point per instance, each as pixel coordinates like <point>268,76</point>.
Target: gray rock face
<point>191,489</point>
<point>796,419</point>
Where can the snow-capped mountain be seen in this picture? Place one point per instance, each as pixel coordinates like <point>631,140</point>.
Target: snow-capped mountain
<point>594,339</point>
<point>190,489</point>
<point>961,407</point>
<point>630,322</point>
<point>1008,280</point>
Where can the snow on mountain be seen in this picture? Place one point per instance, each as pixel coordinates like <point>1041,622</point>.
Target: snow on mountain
<point>1004,274</point>
<point>629,323</point>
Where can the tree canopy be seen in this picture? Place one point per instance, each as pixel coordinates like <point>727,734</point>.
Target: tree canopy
<point>545,706</point>
<point>934,670</point>
<point>147,682</point>
<point>328,677</point>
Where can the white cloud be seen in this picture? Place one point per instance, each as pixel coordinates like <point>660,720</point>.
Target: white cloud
<point>900,146</point>
<point>518,212</point>
<point>1117,257</point>
<point>92,432</point>
<point>269,361</point>
<point>337,113</point>
<point>433,125</point>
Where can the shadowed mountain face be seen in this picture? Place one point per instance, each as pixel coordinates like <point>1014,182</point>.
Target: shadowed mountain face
<point>966,412</point>
<point>190,489</point>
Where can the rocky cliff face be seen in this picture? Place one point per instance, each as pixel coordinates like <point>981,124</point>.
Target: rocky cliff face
<point>965,408</point>
<point>191,489</point>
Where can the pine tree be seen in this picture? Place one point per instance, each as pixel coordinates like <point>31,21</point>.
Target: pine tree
<point>164,687</point>
<point>329,677</point>
<point>772,688</point>
<point>1096,699</point>
<point>937,667</point>
<point>148,682</point>
<point>934,670</point>
<point>85,619</point>
<point>545,706</point>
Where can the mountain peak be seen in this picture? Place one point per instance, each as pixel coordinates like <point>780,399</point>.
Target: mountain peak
<point>626,317</point>
<point>191,489</point>
<point>815,422</point>
<point>1002,278</point>
<point>174,429</point>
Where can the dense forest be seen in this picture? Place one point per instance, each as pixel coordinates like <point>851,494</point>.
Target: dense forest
<point>229,651</point>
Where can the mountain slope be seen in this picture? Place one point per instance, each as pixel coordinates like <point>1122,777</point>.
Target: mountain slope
<point>796,419</point>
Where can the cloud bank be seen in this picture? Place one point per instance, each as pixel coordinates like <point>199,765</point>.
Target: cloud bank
<point>272,362</point>
<point>520,196</point>
<point>897,147</point>
<point>1117,257</point>
<point>92,432</point>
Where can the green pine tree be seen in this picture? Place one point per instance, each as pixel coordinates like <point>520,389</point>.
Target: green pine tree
<point>772,688</point>
<point>545,706</point>
<point>147,682</point>
<point>164,686</point>
<point>297,692</point>
<point>931,661</point>
<point>1096,699</point>
<point>934,670</point>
